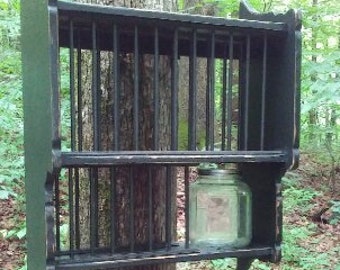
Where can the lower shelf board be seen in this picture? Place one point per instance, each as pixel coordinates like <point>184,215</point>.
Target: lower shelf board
<point>115,260</point>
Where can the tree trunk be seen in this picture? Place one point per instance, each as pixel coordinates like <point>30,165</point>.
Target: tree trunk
<point>313,115</point>
<point>130,183</point>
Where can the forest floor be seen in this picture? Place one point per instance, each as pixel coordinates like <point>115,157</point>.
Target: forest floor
<point>12,249</point>
<point>310,241</point>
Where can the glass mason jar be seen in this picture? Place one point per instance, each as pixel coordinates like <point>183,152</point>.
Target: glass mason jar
<point>220,210</point>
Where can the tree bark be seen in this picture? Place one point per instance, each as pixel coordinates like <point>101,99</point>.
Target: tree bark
<point>313,115</point>
<point>123,176</point>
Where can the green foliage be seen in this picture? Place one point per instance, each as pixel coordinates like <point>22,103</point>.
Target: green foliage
<point>183,136</point>
<point>222,264</point>
<point>335,208</point>
<point>18,232</point>
<point>258,265</point>
<point>320,75</point>
<point>296,254</point>
<point>295,196</point>
<point>65,99</point>
<point>9,24</point>
<point>216,7</point>
<point>11,114</point>
<point>5,193</point>
<point>224,8</point>
<point>64,236</point>
<point>298,198</point>
<point>292,234</point>
<point>230,8</point>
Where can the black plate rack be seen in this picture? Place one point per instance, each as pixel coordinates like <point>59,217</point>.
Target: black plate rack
<point>121,103</point>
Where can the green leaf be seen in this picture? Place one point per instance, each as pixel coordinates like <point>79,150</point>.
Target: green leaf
<point>4,194</point>
<point>21,233</point>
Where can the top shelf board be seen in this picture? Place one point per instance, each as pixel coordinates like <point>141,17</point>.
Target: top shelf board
<point>86,13</point>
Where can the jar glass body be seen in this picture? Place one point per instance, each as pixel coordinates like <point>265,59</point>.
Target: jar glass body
<point>220,210</point>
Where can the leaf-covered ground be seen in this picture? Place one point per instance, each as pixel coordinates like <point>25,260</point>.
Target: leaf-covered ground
<point>12,251</point>
<point>311,242</point>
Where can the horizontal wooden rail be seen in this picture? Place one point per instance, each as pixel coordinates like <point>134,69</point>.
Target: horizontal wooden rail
<point>86,159</point>
<point>146,258</point>
<point>85,10</point>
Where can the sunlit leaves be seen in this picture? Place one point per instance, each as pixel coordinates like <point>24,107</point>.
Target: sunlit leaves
<point>11,113</point>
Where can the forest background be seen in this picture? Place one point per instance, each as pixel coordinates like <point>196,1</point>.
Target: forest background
<point>311,193</point>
